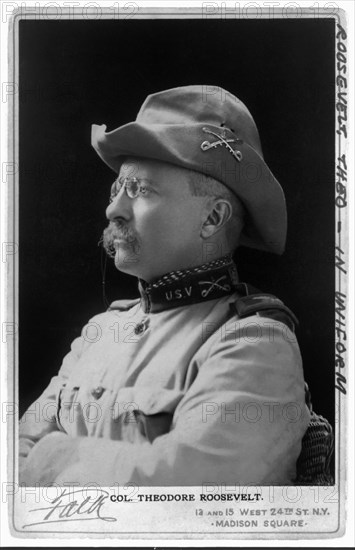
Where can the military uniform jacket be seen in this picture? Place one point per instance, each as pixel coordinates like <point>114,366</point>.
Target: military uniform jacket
<point>186,395</point>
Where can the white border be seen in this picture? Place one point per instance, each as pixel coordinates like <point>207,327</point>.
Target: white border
<point>348,539</point>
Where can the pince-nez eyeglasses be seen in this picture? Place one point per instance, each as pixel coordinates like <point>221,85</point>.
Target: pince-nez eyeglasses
<point>133,187</point>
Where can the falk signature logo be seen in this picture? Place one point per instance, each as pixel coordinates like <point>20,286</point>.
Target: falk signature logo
<point>68,506</point>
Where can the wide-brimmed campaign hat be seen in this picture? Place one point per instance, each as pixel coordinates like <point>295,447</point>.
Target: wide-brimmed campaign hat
<point>209,130</point>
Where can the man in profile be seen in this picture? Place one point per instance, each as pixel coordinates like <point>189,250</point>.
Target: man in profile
<point>200,379</point>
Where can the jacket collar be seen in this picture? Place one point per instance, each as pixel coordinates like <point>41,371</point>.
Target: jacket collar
<point>209,281</point>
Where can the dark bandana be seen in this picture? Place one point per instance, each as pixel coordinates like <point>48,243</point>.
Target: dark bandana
<point>179,288</point>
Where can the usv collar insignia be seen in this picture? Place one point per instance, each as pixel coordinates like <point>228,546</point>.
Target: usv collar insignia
<point>221,140</point>
<point>210,281</point>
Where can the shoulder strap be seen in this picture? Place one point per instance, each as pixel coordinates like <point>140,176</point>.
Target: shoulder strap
<point>123,305</point>
<point>265,305</point>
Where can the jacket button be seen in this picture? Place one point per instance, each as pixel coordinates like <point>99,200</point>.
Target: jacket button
<point>97,392</point>
<point>139,328</point>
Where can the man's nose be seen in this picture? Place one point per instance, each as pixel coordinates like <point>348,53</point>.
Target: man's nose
<point>120,207</point>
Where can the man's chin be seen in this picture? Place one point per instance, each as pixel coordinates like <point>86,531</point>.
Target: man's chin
<point>126,262</point>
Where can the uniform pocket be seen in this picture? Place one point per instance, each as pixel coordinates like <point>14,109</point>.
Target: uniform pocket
<point>146,413</point>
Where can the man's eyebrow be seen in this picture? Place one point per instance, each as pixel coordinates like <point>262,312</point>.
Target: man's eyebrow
<point>151,182</point>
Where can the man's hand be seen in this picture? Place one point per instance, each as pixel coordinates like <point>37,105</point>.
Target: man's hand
<point>48,458</point>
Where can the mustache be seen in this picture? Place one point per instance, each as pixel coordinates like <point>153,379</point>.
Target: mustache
<point>116,230</point>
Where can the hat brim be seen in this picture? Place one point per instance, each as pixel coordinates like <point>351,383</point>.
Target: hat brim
<point>250,179</point>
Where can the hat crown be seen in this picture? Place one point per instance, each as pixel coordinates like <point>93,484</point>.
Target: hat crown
<point>201,104</point>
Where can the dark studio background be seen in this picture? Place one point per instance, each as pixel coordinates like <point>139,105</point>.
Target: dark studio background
<point>75,73</point>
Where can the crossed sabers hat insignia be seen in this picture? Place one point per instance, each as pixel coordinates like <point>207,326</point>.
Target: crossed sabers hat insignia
<point>222,140</point>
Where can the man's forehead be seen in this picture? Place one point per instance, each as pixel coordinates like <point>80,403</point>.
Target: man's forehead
<point>131,167</point>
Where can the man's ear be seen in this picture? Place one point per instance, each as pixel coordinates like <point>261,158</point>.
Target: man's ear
<point>220,212</point>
